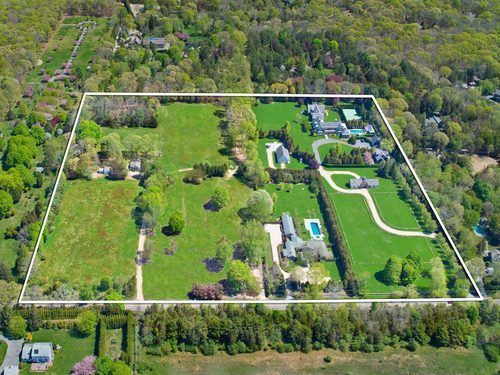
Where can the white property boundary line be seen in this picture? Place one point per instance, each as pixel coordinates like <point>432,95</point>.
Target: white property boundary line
<point>267,302</point>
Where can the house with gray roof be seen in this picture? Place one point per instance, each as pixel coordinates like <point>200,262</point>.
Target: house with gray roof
<point>369,129</point>
<point>37,352</point>
<point>282,155</point>
<point>363,183</point>
<point>287,224</point>
<point>291,240</point>
<point>380,155</point>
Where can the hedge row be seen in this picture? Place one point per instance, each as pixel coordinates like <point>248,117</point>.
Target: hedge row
<point>52,313</point>
<point>294,176</point>
<point>130,339</point>
<point>101,338</point>
<point>338,242</point>
<point>115,321</point>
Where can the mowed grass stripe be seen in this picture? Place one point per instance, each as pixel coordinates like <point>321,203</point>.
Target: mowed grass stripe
<point>94,233</point>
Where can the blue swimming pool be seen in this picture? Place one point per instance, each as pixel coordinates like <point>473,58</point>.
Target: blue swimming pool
<point>356,131</point>
<point>315,229</point>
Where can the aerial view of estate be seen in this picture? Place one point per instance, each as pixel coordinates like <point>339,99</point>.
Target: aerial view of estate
<point>249,187</point>
<point>153,206</point>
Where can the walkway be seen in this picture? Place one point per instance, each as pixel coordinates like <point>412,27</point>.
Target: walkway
<point>327,175</point>
<point>14,348</point>
<point>138,264</point>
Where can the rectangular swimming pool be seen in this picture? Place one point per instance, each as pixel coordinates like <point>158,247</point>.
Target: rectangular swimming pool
<point>315,229</point>
<point>356,131</point>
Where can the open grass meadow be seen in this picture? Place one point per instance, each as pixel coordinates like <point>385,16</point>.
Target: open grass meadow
<point>186,134</point>
<point>74,349</point>
<point>94,234</point>
<point>172,276</point>
<point>389,362</point>
<point>370,246</point>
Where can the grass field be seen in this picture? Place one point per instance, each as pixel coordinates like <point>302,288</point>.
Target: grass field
<point>325,149</point>
<point>74,349</point>
<point>370,246</point>
<point>172,277</point>
<point>95,234</point>
<point>186,134</point>
<point>390,362</point>
<point>394,210</point>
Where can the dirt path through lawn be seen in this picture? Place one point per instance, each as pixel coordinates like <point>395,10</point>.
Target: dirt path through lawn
<point>138,264</point>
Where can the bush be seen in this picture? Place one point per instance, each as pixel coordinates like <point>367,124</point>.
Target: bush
<point>491,352</point>
<point>328,358</point>
<point>101,338</point>
<point>86,322</point>
<point>17,327</point>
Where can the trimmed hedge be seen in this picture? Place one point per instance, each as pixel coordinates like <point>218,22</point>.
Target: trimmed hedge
<point>101,339</point>
<point>337,240</point>
<point>130,338</point>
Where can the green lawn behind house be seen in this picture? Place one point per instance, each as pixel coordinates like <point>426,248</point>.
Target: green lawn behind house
<point>73,349</point>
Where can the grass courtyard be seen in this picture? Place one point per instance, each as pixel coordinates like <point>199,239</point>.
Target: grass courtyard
<point>95,234</point>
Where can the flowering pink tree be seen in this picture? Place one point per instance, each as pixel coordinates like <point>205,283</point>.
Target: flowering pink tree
<point>85,367</point>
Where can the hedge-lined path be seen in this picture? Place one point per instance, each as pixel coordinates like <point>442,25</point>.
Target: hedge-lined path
<point>327,175</point>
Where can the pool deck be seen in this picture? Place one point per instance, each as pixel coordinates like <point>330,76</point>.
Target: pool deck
<point>308,224</point>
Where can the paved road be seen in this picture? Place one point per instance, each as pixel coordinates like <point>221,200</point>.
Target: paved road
<point>327,175</point>
<point>13,351</point>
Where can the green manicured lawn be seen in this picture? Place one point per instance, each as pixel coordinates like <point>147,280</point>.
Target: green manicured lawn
<point>394,210</point>
<point>325,149</point>
<point>274,115</point>
<point>172,276</point>
<point>370,246</point>
<point>95,234</point>
<point>186,134</point>
<point>74,349</point>
<point>389,362</point>
<point>3,350</point>
<point>261,149</point>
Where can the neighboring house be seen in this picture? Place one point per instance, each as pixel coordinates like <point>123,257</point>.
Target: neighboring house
<point>363,183</point>
<point>374,141</point>
<point>434,120</point>
<point>333,127</point>
<point>380,155</point>
<point>104,170</point>
<point>135,165</point>
<point>159,43</point>
<point>282,155</point>
<point>37,352</point>
<point>369,129</point>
